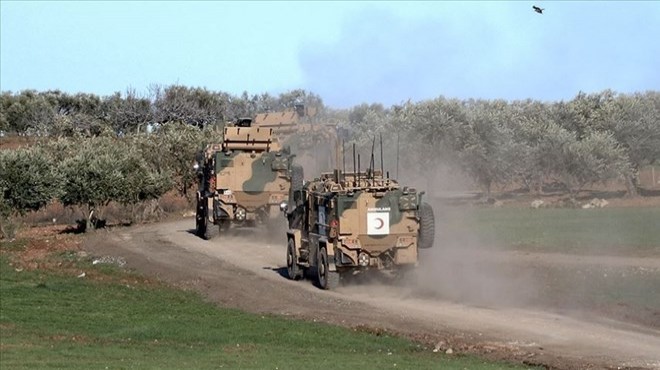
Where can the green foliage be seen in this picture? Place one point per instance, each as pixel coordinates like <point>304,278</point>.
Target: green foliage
<point>494,142</point>
<point>194,106</point>
<point>486,148</point>
<point>28,112</point>
<point>127,113</point>
<point>106,169</point>
<point>591,139</point>
<point>173,147</point>
<point>28,180</point>
<point>596,158</point>
<point>92,176</point>
<point>140,182</point>
<point>633,120</point>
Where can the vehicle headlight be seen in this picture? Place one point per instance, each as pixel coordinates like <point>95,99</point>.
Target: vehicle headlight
<point>241,214</point>
<point>363,259</point>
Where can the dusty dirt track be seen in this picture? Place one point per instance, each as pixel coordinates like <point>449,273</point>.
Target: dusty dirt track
<point>246,271</point>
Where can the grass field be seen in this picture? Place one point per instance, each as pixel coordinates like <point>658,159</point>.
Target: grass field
<point>111,319</point>
<point>626,231</point>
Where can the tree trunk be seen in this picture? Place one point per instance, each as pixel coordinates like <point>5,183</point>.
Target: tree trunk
<point>8,227</point>
<point>486,186</point>
<point>631,185</point>
<point>539,188</point>
<point>3,234</point>
<point>89,225</point>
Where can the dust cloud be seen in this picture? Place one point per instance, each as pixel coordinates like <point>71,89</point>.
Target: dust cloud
<point>469,267</point>
<point>464,268</point>
<point>457,268</point>
<point>316,160</point>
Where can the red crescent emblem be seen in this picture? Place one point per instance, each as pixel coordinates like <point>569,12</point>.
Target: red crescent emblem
<point>382,223</point>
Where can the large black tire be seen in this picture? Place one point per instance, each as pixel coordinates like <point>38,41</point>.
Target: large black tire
<point>293,270</point>
<point>203,229</point>
<point>201,217</point>
<point>211,232</point>
<point>426,226</point>
<point>327,279</point>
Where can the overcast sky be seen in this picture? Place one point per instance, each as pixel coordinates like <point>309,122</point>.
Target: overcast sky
<point>347,52</point>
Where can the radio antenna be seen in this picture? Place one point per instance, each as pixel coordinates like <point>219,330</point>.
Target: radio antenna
<point>343,155</point>
<point>398,134</point>
<point>358,170</point>
<point>354,167</point>
<point>372,161</point>
<point>354,157</point>
<point>382,167</point>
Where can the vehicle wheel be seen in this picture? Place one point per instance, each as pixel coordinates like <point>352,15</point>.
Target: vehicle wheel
<point>201,217</point>
<point>211,231</point>
<point>327,279</point>
<point>204,230</point>
<point>426,226</point>
<point>294,271</point>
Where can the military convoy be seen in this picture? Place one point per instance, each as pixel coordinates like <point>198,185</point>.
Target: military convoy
<point>348,223</point>
<point>341,223</point>
<point>243,181</point>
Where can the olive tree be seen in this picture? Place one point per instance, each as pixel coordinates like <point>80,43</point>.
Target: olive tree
<point>425,137</point>
<point>127,113</point>
<point>28,112</point>
<point>535,134</point>
<point>28,182</point>
<point>107,169</point>
<point>634,121</point>
<point>142,181</point>
<point>596,158</point>
<point>177,145</point>
<point>486,149</point>
<point>193,106</point>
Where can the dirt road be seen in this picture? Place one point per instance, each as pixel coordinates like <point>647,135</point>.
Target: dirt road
<point>246,271</point>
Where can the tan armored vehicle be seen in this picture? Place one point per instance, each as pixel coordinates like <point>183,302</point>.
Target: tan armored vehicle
<point>244,181</point>
<point>300,127</point>
<point>348,223</point>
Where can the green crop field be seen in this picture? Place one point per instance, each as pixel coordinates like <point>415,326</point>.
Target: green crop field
<point>117,320</point>
<point>626,231</point>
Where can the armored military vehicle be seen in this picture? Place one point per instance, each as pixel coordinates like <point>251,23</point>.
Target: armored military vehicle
<point>348,223</point>
<point>303,128</point>
<point>244,181</point>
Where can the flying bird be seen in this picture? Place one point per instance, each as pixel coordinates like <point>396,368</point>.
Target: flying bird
<point>537,9</point>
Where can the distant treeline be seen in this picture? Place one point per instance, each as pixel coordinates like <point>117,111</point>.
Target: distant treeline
<point>590,139</point>
<point>95,150</point>
<point>54,113</point>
